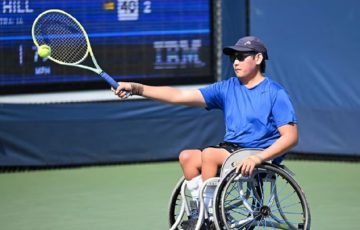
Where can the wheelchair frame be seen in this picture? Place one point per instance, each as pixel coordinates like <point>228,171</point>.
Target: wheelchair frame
<point>268,199</point>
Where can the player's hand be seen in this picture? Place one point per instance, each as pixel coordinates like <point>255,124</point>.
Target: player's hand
<point>123,90</point>
<point>247,165</point>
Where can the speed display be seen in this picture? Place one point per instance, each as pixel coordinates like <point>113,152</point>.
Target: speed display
<point>156,42</point>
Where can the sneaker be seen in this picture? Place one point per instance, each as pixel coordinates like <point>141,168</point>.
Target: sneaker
<point>194,209</point>
<point>209,225</point>
<point>212,226</point>
<point>189,224</point>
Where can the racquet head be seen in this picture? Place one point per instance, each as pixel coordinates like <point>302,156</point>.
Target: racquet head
<point>65,36</point>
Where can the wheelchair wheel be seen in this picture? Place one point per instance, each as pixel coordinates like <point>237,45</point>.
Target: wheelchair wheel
<point>269,199</point>
<point>176,202</point>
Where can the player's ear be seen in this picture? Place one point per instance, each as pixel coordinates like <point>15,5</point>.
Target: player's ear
<point>259,57</point>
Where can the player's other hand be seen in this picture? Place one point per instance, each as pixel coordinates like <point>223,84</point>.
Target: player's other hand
<point>247,165</point>
<point>123,90</point>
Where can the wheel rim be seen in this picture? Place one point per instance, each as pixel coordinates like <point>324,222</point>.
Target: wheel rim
<point>176,202</point>
<point>266,200</point>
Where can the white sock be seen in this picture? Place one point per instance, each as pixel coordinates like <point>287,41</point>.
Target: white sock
<point>194,185</point>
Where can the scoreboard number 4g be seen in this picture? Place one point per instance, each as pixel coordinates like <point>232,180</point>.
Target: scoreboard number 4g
<point>129,10</point>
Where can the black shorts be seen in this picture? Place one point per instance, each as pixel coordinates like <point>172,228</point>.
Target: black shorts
<point>230,147</point>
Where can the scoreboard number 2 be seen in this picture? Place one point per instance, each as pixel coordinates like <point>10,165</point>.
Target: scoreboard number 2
<point>147,7</point>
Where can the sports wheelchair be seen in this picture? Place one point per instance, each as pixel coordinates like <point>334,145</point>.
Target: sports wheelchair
<point>270,198</point>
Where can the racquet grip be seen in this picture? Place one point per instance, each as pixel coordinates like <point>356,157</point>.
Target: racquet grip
<point>109,80</point>
<point>112,82</point>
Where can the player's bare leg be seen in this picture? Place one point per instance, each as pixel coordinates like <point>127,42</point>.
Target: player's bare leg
<point>212,159</point>
<point>190,162</point>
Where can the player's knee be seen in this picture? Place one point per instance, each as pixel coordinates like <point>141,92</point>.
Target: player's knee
<point>184,157</point>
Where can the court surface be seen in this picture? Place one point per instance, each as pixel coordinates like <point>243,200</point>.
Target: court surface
<point>136,196</point>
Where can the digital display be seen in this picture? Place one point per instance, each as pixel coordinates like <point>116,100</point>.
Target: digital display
<point>156,42</point>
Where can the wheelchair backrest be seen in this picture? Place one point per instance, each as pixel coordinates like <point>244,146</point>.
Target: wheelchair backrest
<point>236,156</point>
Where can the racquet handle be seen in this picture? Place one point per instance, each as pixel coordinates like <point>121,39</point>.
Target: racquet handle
<point>112,82</point>
<point>109,80</point>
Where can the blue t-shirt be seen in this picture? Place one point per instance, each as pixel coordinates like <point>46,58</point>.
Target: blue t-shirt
<point>253,115</point>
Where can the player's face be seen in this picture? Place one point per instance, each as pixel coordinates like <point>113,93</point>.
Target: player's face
<point>245,64</point>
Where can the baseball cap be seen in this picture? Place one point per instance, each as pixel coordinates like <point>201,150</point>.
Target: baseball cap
<point>247,44</point>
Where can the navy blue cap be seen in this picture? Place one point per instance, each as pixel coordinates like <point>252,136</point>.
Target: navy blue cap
<point>247,44</point>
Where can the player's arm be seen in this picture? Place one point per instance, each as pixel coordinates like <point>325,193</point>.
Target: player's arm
<point>288,139</point>
<point>162,93</point>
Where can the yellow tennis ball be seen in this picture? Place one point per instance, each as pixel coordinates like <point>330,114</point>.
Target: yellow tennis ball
<point>44,51</point>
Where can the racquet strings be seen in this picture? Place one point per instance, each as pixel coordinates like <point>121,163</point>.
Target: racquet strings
<point>67,40</point>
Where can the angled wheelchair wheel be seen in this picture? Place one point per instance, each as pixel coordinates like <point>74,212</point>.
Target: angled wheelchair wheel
<point>269,199</point>
<point>176,213</point>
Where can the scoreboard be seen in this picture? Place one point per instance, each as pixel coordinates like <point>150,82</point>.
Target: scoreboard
<point>154,42</point>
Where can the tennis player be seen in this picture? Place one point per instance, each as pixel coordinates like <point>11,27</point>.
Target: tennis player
<point>257,110</point>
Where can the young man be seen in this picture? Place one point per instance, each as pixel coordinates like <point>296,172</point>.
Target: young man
<point>257,111</point>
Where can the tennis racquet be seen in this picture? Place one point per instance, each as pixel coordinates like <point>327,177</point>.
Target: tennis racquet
<point>68,41</point>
